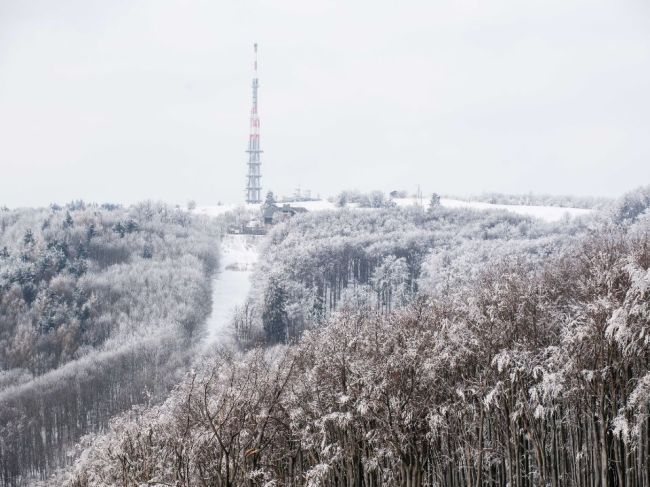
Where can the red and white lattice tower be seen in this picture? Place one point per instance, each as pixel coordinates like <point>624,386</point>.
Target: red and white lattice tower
<point>254,184</point>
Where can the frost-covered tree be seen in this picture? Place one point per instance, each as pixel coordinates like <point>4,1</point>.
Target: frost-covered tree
<point>529,371</point>
<point>269,200</point>
<point>434,201</point>
<point>92,321</point>
<point>274,313</point>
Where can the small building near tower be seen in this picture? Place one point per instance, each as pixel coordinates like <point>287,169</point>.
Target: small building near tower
<point>273,214</point>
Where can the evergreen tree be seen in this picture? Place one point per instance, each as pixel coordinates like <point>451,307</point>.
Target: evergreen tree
<point>131,225</point>
<point>434,201</point>
<point>28,239</point>
<point>274,316</point>
<point>147,252</point>
<point>68,222</point>
<point>119,229</point>
<point>91,232</point>
<point>270,199</point>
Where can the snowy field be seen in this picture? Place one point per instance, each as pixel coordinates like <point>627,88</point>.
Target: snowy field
<point>547,213</point>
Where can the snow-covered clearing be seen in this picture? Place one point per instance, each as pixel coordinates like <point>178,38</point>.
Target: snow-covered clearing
<point>547,213</point>
<point>231,284</point>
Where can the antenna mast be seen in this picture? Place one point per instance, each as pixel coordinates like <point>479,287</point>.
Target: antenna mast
<point>254,184</point>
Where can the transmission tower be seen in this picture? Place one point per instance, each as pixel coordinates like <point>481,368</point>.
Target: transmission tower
<point>254,184</point>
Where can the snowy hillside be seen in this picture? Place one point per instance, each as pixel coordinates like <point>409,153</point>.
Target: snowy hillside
<point>547,213</point>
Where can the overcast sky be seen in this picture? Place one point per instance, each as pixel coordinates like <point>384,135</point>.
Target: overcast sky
<point>129,100</point>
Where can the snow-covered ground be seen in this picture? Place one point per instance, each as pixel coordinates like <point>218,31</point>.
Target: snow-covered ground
<point>217,210</point>
<point>547,213</point>
<point>239,252</point>
<point>231,284</point>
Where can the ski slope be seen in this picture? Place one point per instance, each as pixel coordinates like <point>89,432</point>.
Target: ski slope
<point>230,285</point>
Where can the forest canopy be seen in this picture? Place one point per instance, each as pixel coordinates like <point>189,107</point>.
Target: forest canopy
<point>527,371</point>
<point>99,307</point>
<point>383,258</point>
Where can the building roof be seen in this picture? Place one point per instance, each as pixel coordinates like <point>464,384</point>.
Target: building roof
<point>270,210</point>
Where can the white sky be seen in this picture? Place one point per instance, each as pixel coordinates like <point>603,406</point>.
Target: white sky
<point>126,100</point>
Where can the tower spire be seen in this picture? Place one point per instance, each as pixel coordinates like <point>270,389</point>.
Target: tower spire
<point>254,184</point>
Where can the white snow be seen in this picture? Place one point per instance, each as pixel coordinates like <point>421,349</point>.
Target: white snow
<point>231,284</point>
<point>217,210</point>
<point>239,252</point>
<point>547,213</point>
<point>316,205</point>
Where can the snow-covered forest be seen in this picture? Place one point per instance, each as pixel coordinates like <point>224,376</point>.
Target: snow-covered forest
<point>325,244</point>
<point>100,307</point>
<point>411,347</point>
<point>381,258</point>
